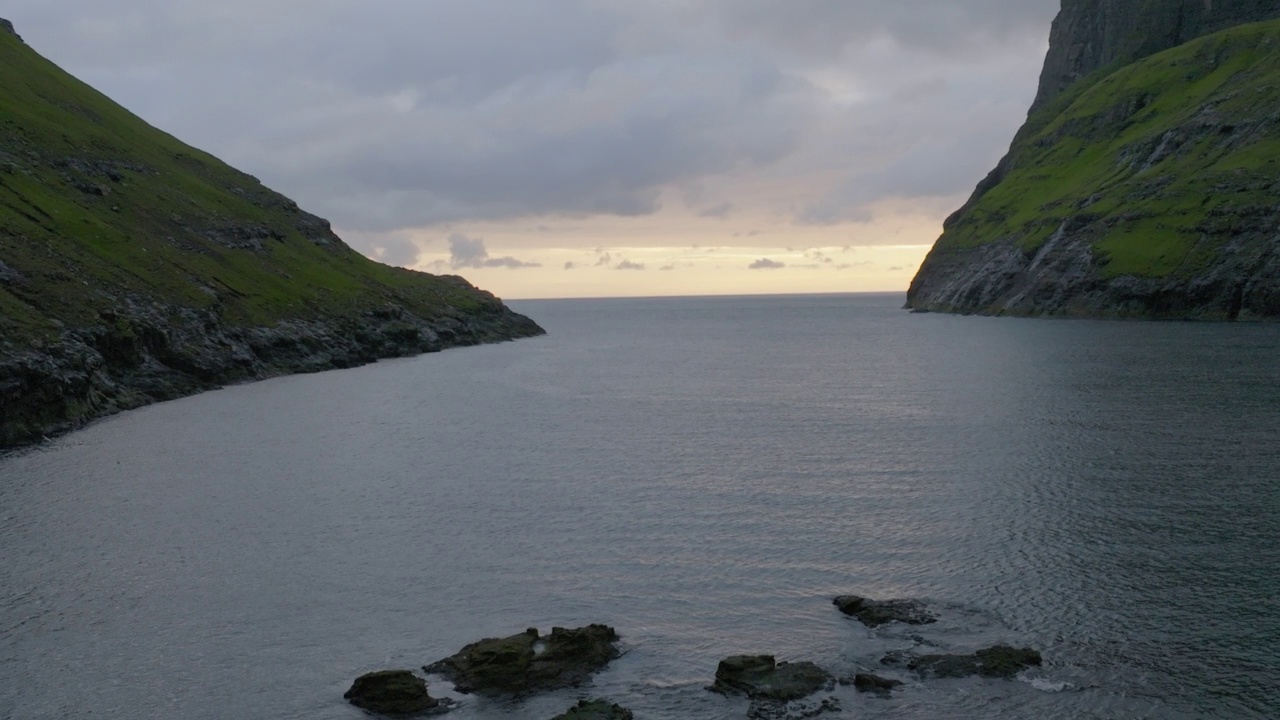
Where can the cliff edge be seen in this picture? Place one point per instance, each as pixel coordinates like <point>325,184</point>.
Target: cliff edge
<point>1090,35</point>
<point>1146,181</point>
<point>134,268</point>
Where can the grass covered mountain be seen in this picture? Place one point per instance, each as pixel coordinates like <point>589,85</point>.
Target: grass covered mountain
<point>1146,188</point>
<point>134,268</point>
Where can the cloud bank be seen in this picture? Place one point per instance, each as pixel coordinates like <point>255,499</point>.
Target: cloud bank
<point>397,115</point>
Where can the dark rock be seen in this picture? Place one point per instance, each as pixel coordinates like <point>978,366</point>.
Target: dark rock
<point>796,710</point>
<point>595,710</point>
<point>874,613</point>
<point>866,682</point>
<point>156,352</point>
<point>242,237</point>
<point>527,662</point>
<point>7,26</point>
<point>897,658</point>
<point>1000,661</point>
<point>760,677</point>
<point>8,275</point>
<point>392,692</point>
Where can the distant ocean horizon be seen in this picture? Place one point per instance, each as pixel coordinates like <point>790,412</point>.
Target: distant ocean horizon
<point>714,296</point>
<point>702,473</point>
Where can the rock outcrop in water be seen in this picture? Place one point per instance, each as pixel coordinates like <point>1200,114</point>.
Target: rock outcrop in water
<point>1145,181</point>
<point>868,683</point>
<point>761,677</point>
<point>134,268</point>
<point>596,710</point>
<point>874,613</point>
<point>999,661</point>
<point>393,692</point>
<point>528,662</point>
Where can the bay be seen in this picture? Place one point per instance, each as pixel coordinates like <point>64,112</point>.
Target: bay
<point>702,473</point>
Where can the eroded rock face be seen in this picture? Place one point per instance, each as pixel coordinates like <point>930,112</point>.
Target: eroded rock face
<point>761,677</point>
<point>393,692</point>
<point>874,613</point>
<point>595,710</point>
<point>1089,35</point>
<point>143,354</point>
<point>1000,661</point>
<point>528,662</point>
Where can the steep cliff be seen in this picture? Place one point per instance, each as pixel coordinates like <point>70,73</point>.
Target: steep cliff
<point>134,268</point>
<point>1090,35</point>
<point>1146,182</point>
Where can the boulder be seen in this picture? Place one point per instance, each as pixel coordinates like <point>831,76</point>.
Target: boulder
<point>528,662</point>
<point>1000,661</point>
<point>393,692</point>
<point>595,710</point>
<point>874,613</point>
<point>760,677</point>
<point>866,682</point>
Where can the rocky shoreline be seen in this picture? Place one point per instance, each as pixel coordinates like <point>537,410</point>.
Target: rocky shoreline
<point>144,353</point>
<point>528,663</point>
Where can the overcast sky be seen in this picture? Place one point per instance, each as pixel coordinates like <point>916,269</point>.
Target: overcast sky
<point>554,148</point>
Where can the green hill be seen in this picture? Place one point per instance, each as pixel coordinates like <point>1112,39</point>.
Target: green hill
<point>1151,190</point>
<point>135,268</point>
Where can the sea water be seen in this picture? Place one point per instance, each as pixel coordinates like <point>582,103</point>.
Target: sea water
<point>702,474</point>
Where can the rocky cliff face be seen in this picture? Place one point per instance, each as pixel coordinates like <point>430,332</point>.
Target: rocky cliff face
<point>1089,35</point>
<point>134,268</point>
<point>1146,182</point>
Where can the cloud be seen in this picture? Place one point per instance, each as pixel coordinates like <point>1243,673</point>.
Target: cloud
<point>466,252</point>
<point>390,248</point>
<point>717,211</point>
<point>509,262</point>
<point>403,115</point>
<point>666,268</point>
<point>570,265</point>
<point>766,264</point>
<point>822,29</point>
<point>628,265</point>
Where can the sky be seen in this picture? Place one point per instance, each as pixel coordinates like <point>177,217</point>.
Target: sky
<point>587,148</point>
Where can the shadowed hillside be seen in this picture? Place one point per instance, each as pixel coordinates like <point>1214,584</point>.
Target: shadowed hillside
<point>134,268</point>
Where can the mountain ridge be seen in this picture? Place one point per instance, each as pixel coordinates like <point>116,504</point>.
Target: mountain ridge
<point>135,268</point>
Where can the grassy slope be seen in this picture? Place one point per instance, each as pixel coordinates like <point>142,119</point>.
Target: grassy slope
<point>96,206</point>
<point>1214,106</point>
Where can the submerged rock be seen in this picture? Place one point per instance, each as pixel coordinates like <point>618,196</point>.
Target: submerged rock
<point>796,710</point>
<point>874,613</point>
<point>528,662</point>
<point>393,692</point>
<point>1000,661</point>
<point>595,710</point>
<point>760,677</point>
<point>866,682</point>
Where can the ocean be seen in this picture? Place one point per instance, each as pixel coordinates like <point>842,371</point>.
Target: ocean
<point>703,474</point>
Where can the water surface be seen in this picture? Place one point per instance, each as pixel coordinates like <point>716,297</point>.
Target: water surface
<point>703,474</point>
